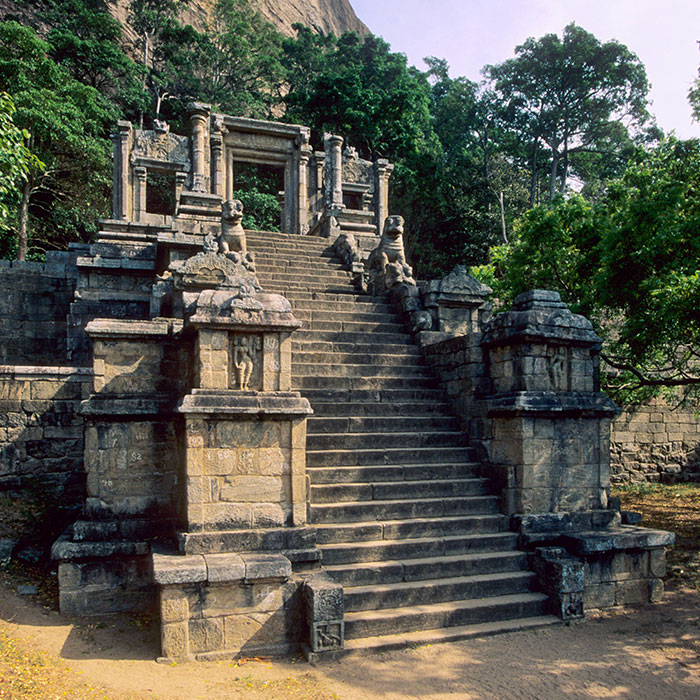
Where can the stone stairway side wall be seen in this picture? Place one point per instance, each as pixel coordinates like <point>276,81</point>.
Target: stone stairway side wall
<point>34,301</point>
<point>655,442</point>
<point>41,433</point>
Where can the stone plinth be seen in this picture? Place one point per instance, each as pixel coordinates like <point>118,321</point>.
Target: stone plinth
<point>550,424</point>
<point>216,606</point>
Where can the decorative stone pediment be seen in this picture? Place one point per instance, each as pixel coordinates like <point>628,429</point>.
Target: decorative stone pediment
<point>160,147</point>
<point>356,170</point>
<point>209,270</point>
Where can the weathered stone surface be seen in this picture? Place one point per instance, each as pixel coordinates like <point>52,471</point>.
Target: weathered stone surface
<point>169,569</point>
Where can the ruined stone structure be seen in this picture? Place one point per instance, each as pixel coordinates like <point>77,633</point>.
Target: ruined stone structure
<point>289,443</point>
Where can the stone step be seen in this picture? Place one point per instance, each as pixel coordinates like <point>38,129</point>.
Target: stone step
<point>410,640</point>
<point>314,335</point>
<point>371,307</point>
<point>416,548</point>
<point>396,490</point>
<point>372,573</point>
<point>320,278</point>
<point>362,441</point>
<point>285,290</point>
<point>364,424</point>
<point>363,327</point>
<point>350,314</point>
<point>273,261</point>
<point>438,590</point>
<point>353,298</point>
<point>352,359</point>
<point>365,383</point>
<point>455,613</point>
<point>385,472</point>
<point>370,350</point>
<point>417,527</point>
<point>387,455</point>
<point>389,396</point>
<point>415,410</point>
<point>408,508</point>
<point>403,372</point>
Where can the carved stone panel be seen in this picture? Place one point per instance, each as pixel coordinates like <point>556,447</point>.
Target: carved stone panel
<point>161,146</point>
<point>246,362</point>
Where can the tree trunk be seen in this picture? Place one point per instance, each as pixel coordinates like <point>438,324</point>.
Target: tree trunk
<point>533,173</point>
<point>553,175</point>
<point>503,217</point>
<point>22,237</point>
<point>565,171</point>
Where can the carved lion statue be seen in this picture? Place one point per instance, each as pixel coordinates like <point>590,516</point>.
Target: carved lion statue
<point>231,242</point>
<point>389,257</point>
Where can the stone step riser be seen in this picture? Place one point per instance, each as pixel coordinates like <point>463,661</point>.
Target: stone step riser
<point>349,315</point>
<point>363,327</point>
<point>402,373</point>
<point>326,277</point>
<point>316,295</point>
<point>415,410</point>
<point>437,591</point>
<point>414,619</point>
<point>286,290</point>
<point>311,305</point>
<point>369,350</point>
<point>363,424</point>
<point>362,383</point>
<point>355,552</point>
<point>314,335</point>
<point>395,510</point>
<point>368,458</point>
<point>374,573</point>
<point>348,475</point>
<point>371,396</point>
<point>411,529</point>
<point>329,359</point>
<point>397,490</point>
<point>364,441</point>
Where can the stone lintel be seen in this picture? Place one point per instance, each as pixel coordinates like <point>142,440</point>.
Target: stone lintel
<point>617,539</point>
<point>260,126</point>
<point>276,405</point>
<point>247,320</point>
<point>126,408</point>
<point>551,404</point>
<point>154,329</point>
<point>289,540</point>
<point>178,569</point>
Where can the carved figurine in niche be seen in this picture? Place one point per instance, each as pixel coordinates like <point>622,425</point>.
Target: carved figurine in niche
<point>556,367</point>
<point>389,257</point>
<point>231,241</point>
<point>245,352</point>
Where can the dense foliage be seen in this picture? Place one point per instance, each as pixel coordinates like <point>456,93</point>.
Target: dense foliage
<point>630,261</point>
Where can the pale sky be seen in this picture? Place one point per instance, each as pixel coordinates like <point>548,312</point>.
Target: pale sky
<point>472,33</point>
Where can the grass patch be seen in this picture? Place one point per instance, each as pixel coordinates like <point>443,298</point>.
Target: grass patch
<point>671,507</point>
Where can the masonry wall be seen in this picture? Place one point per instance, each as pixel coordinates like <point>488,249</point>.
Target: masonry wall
<point>34,301</point>
<point>41,433</point>
<point>655,442</point>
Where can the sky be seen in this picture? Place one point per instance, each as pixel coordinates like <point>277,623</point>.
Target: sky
<point>473,33</point>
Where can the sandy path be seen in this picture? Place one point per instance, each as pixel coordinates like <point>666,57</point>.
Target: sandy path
<point>651,653</point>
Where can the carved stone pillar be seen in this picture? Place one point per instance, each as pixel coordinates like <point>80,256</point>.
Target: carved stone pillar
<point>217,157</point>
<point>305,152</point>
<point>199,119</point>
<point>121,199</point>
<point>383,169</point>
<point>229,174</point>
<point>140,199</point>
<point>334,169</point>
<point>180,179</point>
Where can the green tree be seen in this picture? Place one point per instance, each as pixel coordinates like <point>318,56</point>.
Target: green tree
<point>569,96</point>
<point>67,123</point>
<point>630,261</point>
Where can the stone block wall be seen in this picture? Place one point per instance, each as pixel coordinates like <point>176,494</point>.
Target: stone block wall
<point>35,299</point>
<point>655,442</point>
<point>41,432</point>
<point>241,474</point>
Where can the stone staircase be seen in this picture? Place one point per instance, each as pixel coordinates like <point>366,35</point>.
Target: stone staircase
<point>405,521</point>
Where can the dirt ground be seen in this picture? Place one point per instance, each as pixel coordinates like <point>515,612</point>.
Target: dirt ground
<point>648,653</point>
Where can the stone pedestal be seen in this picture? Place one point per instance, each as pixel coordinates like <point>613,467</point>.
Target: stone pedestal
<point>229,590</point>
<point>549,446</point>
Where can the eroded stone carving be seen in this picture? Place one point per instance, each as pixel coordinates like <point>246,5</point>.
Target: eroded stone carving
<point>387,263</point>
<point>356,170</point>
<point>230,241</point>
<point>246,350</point>
<point>161,145</point>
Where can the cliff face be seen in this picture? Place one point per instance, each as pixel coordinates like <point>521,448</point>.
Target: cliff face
<point>326,16</point>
